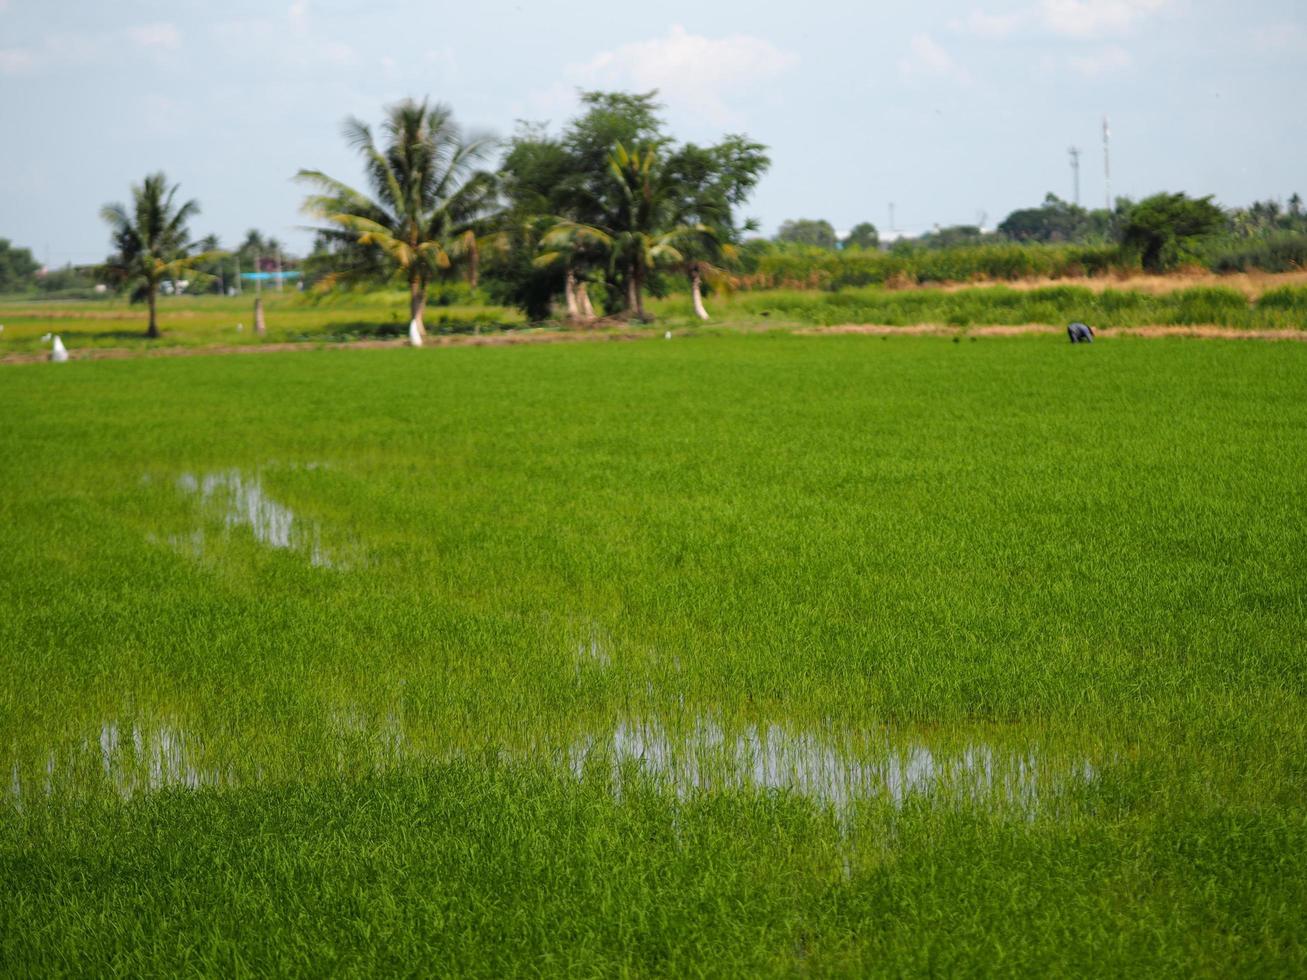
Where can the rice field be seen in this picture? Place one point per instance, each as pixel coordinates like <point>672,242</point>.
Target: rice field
<point>1246,303</point>
<point>730,655</point>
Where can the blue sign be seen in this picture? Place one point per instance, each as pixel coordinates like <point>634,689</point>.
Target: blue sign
<point>265,276</point>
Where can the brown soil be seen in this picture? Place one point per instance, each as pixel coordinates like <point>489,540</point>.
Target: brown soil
<point>560,336</point>
<point>1212,333</point>
<point>1251,284</point>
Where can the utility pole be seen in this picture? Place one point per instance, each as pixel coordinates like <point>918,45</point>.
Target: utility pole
<point>258,274</point>
<point>239,288</point>
<point>278,269</point>
<point>1075,173</point>
<point>891,215</point>
<point>1107,164</point>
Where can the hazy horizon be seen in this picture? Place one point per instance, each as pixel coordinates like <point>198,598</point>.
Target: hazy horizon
<point>950,111</point>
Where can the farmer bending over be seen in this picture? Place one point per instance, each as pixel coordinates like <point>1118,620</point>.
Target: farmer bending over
<point>1080,333</point>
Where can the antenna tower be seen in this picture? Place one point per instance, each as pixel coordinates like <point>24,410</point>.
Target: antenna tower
<point>1107,164</point>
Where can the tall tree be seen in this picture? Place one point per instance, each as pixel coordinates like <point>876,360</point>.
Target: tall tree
<point>17,268</point>
<point>863,235</point>
<point>151,242</point>
<point>428,204</point>
<point>808,231</point>
<point>1163,231</point>
<point>711,183</point>
<point>639,233</point>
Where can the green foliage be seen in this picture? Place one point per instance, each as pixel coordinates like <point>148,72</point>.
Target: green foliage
<point>152,242</point>
<point>817,268</point>
<point>622,218</point>
<point>1057,221</point>
<point>1002,306</point>
<point>17,268</point>
<point>427,206</point>
<point>1165,231</point>
<point>1279,251</point>
<point>818,233</point>
<point>863,235</point>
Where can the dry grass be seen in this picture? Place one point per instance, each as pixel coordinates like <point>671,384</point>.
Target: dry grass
<point>1251,284</point>
<point>1022,329</point>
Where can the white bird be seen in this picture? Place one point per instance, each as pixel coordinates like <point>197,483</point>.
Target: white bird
<point>667,335</point>
<point>58,353</point>
<point>414,334</point>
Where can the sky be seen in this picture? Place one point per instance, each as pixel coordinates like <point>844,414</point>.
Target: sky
<point>951,113</point>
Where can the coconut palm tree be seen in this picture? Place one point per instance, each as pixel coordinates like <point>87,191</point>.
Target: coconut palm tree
<point>428,201</point>
<point>639,230</point>
<point>151,242</point>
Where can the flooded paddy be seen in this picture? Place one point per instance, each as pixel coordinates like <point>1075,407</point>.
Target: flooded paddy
<point>815,657</point>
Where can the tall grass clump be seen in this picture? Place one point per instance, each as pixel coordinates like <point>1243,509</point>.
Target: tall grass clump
<point>1004,306</point>
<point>798,267</point>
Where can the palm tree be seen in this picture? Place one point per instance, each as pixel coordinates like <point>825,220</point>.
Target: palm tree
<point>151,241</point>
<point>639,231</point>
<point>427,205</point>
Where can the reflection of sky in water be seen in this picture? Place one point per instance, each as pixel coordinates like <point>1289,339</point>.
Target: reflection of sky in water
<point>701,757</point>
<point>822,768</point>
<point>239,500</point>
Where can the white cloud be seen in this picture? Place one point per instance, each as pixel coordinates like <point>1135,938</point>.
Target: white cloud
<point>16,61</point>
<point>694,72</point>
<point>981,24</point>
<point>1095,18</point>
<point>1101,62</point>
<point>927,59</point>
<point>157,35</point>
<point>299,15</point>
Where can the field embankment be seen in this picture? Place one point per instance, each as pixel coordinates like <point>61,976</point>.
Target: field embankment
<point>1250,305</point>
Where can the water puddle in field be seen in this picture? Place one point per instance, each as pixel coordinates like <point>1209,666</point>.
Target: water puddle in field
<point>233,499</point>
<point>834,769</point>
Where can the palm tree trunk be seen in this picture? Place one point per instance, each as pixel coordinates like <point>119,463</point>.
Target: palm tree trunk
<point>696,293</point>
<point>583,301</point>
<point>632,292</point>
<point>417,302</point>
<point>473,263</point>
<point>569,293</point>
<point>153,331</point>
<point>637,284</point>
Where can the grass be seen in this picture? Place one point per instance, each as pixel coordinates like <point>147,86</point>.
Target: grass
<point>1275,303</point>
<point>731,655</point>
<point>228,321</point>
<point>1214,305</point>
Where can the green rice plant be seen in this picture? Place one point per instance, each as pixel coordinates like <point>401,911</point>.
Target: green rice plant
<point>750,655</point>
<point>1209,304</point>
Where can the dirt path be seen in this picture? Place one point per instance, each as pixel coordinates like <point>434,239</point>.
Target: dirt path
<point>484,340</point>
<point>941,330</point>
<point>563,337</point>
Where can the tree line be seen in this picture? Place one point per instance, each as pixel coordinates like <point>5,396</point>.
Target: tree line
<point>589,221</point>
